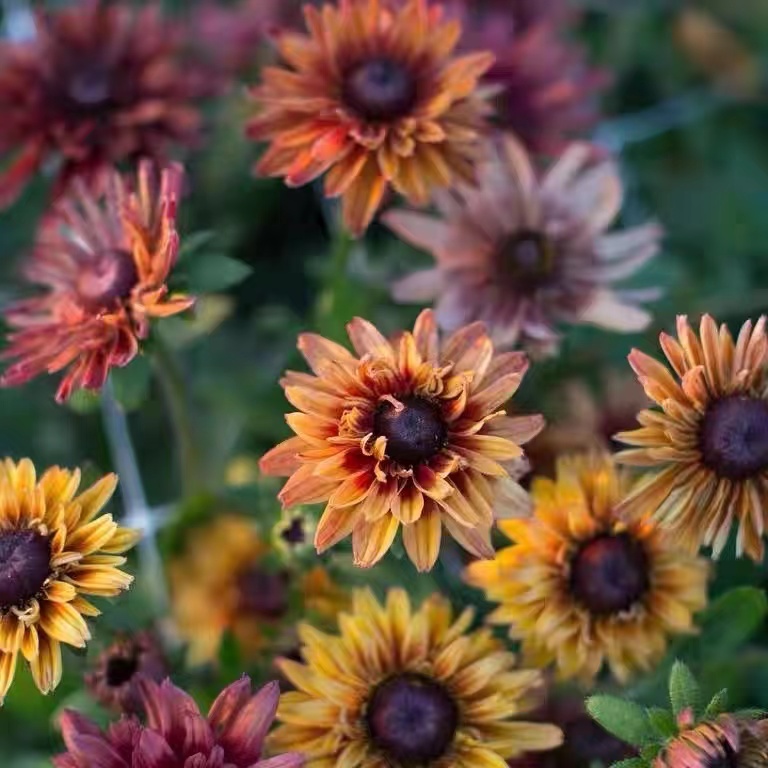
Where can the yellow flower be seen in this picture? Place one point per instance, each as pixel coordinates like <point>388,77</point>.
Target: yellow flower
<point>222,582</point>
<point>582,586</point>
<point>54,548</point>
<point>402,687</point>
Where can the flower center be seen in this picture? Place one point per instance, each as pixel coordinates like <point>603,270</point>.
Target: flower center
<point>734,437</point>
<point>415,429</point>
<point>263,593</point>
<point>379,90</point>
<point>412,719</point>
<point>88,88</point>
<point>527,260</point>
<point>120,669</point>
<point>294,532</point>
<point>729,759</point>
<point>24,566</point>
<point>609,574</point>
<point>108,279</point>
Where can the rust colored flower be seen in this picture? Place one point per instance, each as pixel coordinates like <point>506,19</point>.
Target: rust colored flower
<point>55,547</point>
<point>710,438</point>
<point>524,253</point>
<point>115,679</point>
<point>583,587</point>
<point>408,433</point>
<point>373,98</point>
<point>177,734</point>
<point>223,581</point>
<point>547,94</point>
<point>728,740</point>
<point>104,261</point>
<point>402,687</point>
<point>99,83</point>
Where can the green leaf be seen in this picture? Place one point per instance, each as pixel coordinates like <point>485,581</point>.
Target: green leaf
<point>684,692</point>
<point>750,714</point>
<point>84,401</point>
<point>631,762</point>
<point>214,272</point>
<point>131,384</point>
<point>624,719</point>
<point>732,620</point>
<point>663,722</point>
<point>718,705</point>
<point>193,243</point>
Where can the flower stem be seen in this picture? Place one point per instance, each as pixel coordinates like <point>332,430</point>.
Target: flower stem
<point>174,387</point>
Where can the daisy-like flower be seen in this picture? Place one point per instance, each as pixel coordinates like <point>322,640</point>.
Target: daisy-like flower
<point>525,253</point>
<point>222,582</point>
<point>402,687</point>
<point>408,432</point>
<point>115,679</point>
<point>710,438</point>
<point>583,586</point>
<point>546,93</point>
<point>104,261</point>
<point>177,734</point>
<point>55,547</point>
<point>98,83</point>
<point>374,97</point>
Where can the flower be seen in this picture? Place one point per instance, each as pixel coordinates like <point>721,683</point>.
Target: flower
<point>177,734</point>
<point>98,83</point>
<point>410,433</point>
<point>582,586</point>
<point>546,91</point>
<point>524,253</point>
<point>710,438</point>
<point>104,261</point>
<point>727,740</point>
<point>401,687</point>
<point>222,581</point>
<point>114,681</point>
<point>55,547</point>
<point>374,97</point>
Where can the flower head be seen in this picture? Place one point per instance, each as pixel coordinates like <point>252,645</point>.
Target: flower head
<point>115,679</point>
<point>99,83</point>
<point>374,97</point>
<point>582,586</point>
<point>409,432</point>
<point>710,437</point>
<point>177,734</point>
<point>104,261</point>
<point>432,694</point>
<point>55,547</point>
<point>524,253</point>
<point>222,581</point>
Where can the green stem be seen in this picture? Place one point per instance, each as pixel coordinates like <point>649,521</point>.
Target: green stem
<point>171,379</point>
<point>328,322</point>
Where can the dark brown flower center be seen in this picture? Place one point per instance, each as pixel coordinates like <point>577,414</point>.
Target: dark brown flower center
<point>120,670</point>
<point>294,532</point>
<point>108,279</point>
<point>526,260</point>
<point>379,89</point>
<point>415,429</point>
<point>263,593</point>
<point>609,574</point>
<point>729,759</point>
<point>734,437</point>
<point>412,719</point>
<point>25,558</point>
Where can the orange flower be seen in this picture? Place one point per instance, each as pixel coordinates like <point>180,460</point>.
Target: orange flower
<point>374,97</point>
<point>710,439</point>
<point>410,432</point>
<point>105,260</point>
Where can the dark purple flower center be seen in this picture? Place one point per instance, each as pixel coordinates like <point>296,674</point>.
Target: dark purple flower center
<point>294,533</point>
<point>526,260</point>
<point>263,593</point>
<point>107,279</point>
<point>609,574</point>
<point>25,558</point>
<point>734,437</point>
<point>120,669</point>
<point>379,89</point>
<point>415,430</point>
<point>412,719</point>
<point>729,759</point>
<point>89,86</point>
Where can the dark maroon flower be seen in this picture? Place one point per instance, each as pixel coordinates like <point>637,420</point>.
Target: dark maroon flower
<point>176,735</point>
<point>98,83</point>
<point>115,678</point>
